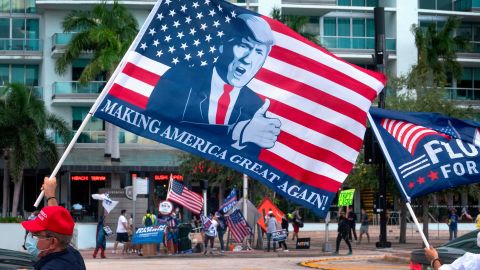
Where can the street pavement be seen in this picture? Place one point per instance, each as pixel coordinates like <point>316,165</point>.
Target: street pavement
<point>365,255</point>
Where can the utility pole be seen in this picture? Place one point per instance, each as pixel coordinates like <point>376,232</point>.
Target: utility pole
<point>380,58</point>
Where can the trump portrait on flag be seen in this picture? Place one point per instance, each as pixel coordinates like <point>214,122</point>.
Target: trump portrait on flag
<point>241,89</point>
<point>218,94</point>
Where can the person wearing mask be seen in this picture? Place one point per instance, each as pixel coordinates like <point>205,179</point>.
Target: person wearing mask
<point>468,261</point>
<point>284,227</point>
<point>101,243</point>
<point>50,234</point>
<point>271,227</point>
<point>343,229</point>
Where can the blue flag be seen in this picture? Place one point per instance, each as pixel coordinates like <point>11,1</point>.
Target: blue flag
<point>229,202</point>
<point>428,152</point>
<point>245,91</point>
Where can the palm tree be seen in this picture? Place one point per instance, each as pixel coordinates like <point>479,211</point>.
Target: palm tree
<point>24,121</point>
<point>296,23</point>
<point>106,31</point>
<point>436,54</point>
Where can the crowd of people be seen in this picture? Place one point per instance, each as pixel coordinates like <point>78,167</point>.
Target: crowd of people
<point>49,232</point>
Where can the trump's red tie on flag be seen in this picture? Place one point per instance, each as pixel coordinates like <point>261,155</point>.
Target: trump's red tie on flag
<point>315,103</point>
<point>180,194</point>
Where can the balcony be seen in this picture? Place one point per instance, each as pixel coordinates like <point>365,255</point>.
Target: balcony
<point>458,5</point>
<point>98,136</point>
<point>354,43</point>
<point>467,5</point>
<point>37,90</point>
<point>21,47</point>
<point>59,42</point>
<point>74,93</point>
<point>468,96</point>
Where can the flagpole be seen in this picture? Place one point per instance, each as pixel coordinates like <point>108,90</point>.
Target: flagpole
<point>100,98</point>
<point>397,178</point>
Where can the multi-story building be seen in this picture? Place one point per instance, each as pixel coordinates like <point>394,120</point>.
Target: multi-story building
<point>31,39</point>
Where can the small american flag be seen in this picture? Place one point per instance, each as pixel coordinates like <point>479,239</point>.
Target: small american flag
<point>206,222</point>
<point>408,134</point>
<point>239,227</point>
<point>185,197</point>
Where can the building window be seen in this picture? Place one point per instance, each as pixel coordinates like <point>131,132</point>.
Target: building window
<point>19,34</point>
<point>436,4</point>
<point>348,33</point>
<point>469,86</point>
<point>17,6</point>
<point>23,74</point>
<point>358,3</point>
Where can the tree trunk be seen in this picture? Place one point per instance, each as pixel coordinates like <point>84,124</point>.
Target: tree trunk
<point>6,186</point>
<point>403,222</point>
<point>425,217</point>
<point>16,193</point>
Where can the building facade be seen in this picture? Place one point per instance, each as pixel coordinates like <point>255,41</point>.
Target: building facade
<point>31,39</point>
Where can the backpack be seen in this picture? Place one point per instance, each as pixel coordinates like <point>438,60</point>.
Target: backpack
<point>148,221</point>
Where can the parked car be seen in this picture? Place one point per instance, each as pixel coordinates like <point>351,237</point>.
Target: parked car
<point>447,252</point>
<point>10,259</point>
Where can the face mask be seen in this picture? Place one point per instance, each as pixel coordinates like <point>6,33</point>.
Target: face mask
<point>31,245</point>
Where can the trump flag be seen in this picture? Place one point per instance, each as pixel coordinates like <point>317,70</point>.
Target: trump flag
<point>428,152</point>
<point>230,85</point>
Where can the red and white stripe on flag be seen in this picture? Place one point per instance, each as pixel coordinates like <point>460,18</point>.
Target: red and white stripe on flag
<point>321,100</point>
<point>408,134</point>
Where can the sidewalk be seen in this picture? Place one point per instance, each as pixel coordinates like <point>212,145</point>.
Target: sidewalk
<point>398,251</point>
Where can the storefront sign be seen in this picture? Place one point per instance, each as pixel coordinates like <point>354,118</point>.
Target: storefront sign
<point>166,177</point>
<point>88,177</point>
<point>165,208</point>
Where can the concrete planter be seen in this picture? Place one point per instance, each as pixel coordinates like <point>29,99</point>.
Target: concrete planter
<point>12,236</point>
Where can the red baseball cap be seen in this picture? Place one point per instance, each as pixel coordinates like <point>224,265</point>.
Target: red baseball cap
<point>52,218</point>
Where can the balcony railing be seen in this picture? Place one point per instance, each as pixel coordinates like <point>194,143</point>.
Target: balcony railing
<point>61,39</point>
<point>358,3</point>
<point>474,47</point>
<point>20,44</point>
<point>37,90</point>
<point>458,5</point>
<point>463,93</point>
<point>98,136</point>
<point>358,43</point>
<point>74,87</point>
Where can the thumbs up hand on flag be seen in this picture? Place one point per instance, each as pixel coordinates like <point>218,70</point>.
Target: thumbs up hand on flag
<point>260,130</point>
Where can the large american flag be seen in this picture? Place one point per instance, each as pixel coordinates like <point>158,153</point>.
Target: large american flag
<point>238,226</point>
<point>320,99</point>
<point>408,134</point>
<point>180,194</point>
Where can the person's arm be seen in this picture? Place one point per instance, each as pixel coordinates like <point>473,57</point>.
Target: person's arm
<point>49,187</point>
<point>432,256</point>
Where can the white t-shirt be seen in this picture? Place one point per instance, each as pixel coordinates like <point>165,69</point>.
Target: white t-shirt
<point>467,262</point>
<point>212,230</point>
<point>120,228</point>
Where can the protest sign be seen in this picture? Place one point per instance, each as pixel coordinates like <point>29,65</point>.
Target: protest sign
<point>149,235</point>
<point>346,197</point>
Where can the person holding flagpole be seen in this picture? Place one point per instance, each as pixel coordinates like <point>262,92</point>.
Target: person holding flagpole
<point>50,234</point>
